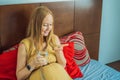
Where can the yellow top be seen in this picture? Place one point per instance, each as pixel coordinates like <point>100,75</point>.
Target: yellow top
<point>52,71</point>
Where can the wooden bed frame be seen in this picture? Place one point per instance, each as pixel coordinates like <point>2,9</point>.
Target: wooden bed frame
<point>70,16</point>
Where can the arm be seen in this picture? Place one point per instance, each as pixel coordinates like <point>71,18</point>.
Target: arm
<point>22,72</point>
<point>59,53</point>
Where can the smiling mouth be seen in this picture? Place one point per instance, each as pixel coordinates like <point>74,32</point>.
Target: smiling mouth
<point>46,31</point>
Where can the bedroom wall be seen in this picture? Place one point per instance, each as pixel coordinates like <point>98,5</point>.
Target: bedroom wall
<point>0,41</point>
<point>8,2</point>
<point>88,20</point>
<point>110,35</point>
<point>18,19</point>
<point>82,15</point>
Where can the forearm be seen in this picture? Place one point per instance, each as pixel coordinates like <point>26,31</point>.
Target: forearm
<point>23,74</point>
<point>61,59</point>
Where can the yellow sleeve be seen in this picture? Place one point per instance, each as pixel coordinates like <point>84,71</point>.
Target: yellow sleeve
<point>26,43</point>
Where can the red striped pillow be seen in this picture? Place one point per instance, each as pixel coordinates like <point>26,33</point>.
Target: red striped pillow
<point>81,53</point>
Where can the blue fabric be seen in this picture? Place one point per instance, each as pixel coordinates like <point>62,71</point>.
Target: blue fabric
<point>97,71</point>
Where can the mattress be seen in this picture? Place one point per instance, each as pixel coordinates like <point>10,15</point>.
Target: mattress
<point>97,71</point>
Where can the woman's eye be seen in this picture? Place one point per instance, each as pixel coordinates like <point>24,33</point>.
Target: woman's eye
<point>50,24</point>
<point>45,25</point>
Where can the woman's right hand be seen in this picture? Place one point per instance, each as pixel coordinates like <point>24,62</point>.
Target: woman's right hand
<point>37,61</point>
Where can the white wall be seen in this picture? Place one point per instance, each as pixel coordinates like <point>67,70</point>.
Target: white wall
<point>9,2</point>
<point>110,32</point>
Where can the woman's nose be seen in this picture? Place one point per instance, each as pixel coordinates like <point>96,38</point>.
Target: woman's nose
<point>48,26</point>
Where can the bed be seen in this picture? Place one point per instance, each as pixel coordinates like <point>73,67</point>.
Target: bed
<point>97,71</point>
<point>70,16</point>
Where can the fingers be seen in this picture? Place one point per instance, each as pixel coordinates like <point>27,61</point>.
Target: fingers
<point>43,62</point>
<point>58,48</point>
<point>63,45</point>
<point>40,61</point>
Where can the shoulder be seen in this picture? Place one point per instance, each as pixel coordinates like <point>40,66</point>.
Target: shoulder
<point>57,40</point>
<point>25,43</point>
<point>21,49</point>
<point>56,37</point>
<point>25,40</point>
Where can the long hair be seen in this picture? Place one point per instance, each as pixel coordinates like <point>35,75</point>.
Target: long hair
<point>35,26</point>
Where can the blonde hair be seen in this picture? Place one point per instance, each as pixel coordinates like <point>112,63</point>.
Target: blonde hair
<point>35,26</point>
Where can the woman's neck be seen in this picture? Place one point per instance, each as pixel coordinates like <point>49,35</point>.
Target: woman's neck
<point>44,39</point>
<point>43,46</point>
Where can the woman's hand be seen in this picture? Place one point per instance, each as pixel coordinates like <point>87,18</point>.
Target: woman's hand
<point>59,54</point>
<point>38,61</point>
<point>59,48</point>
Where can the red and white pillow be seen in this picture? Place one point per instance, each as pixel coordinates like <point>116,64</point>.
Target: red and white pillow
<point>81,53</point>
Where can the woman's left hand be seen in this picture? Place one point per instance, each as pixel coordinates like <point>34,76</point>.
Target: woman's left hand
<point>59,48</point>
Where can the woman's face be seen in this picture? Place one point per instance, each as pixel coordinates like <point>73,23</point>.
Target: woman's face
<point>47,25</point>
